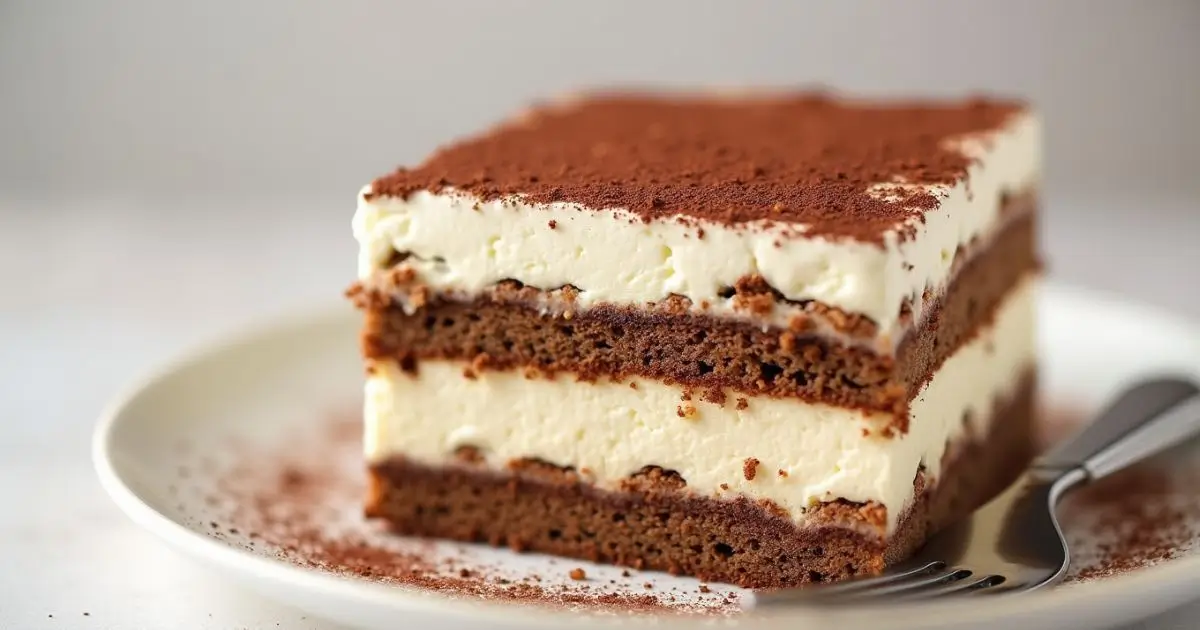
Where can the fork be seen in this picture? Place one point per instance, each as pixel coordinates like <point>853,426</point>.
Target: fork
<point>1014,543</point>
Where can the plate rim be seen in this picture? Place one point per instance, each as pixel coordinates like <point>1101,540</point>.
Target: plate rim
<point>1175,575</point>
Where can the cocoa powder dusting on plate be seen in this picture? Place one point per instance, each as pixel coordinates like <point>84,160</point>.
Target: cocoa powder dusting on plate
<point>1135,519</point>
<point>1132,520</point>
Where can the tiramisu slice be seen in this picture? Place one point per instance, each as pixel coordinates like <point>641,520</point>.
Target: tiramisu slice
<point>759,339</point>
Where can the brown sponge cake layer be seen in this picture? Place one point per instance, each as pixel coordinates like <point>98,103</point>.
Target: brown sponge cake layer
<point>509,329</point>
<point>653,521</point>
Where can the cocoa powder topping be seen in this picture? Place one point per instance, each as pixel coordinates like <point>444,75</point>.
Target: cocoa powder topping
<point>798,157</point>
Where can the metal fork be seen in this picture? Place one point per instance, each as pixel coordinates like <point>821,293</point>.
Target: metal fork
<point>1014,543</point>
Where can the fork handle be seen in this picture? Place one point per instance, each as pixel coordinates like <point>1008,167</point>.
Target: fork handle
<point>1146,419</point>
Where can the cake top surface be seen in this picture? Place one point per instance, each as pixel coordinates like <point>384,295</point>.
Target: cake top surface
<point>800,157</point>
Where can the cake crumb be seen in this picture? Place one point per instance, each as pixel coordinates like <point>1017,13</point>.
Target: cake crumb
<point>468,454</point>
<point>578,574</point>
<point>760,305</point>
<point>625,573</point>
<point>408,364</point>
<point>419,296</point>
<point>479,362</point>
<point>724,486</point>
<point>800,322</point>
<point>714,395</point>
<point>632,384</point>
<point>750,468</point>
<point>704,588</point>
<point>647,585</point>
<point>742,403</point>
<point>553,224</point>
<point>687,410</point>
<point>569,293</point>
<point>403,274</point>
<point>783,473</point>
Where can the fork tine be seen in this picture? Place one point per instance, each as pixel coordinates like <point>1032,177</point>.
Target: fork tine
<point>1008,586</point>
<point>900,574</point>
<point>817,593</point>
<point>922,584</point>
<point>959,587</point>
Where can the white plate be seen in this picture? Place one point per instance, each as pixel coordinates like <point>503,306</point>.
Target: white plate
<point>184,452</point>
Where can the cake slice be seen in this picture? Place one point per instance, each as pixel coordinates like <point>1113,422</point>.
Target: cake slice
<point>765,339</point>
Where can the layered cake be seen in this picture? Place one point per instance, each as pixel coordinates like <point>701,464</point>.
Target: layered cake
<point>764,339</point>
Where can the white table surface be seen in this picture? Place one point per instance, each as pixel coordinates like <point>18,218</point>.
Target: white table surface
<point>105,290</point>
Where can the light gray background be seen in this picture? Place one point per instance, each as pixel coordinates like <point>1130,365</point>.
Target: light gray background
<point>171,170</point>
<point>229,95</point>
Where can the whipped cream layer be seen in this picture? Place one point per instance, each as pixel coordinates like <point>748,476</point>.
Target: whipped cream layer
<point>460,244</point>
<point>611,430</point>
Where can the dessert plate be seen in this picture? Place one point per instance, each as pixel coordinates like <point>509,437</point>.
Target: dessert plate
<point>245,456</point>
